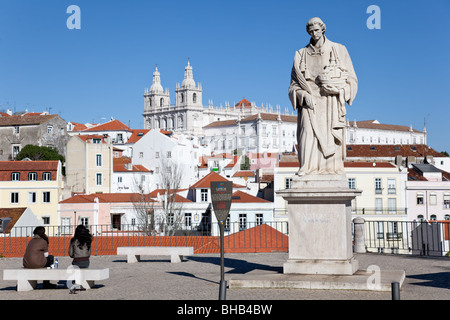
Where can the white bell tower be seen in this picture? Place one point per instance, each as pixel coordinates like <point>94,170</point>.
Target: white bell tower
<point>156,100</point>
<point>188,95</point>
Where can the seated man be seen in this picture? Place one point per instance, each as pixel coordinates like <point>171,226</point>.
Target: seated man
<point>36,255</point>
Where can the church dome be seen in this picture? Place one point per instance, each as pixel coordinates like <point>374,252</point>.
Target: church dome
<point>156,86</point>
<point>188,81</point>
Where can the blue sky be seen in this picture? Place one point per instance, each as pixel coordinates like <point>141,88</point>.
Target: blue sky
<point>238,48</point>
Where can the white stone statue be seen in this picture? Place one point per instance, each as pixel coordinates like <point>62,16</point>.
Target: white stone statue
<point>322,81</point>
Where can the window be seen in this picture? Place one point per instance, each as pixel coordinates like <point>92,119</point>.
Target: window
<point>16,129</point>
<point>119,179</point>
<point>14,197</point>
<point>419,198</point>
<point>392,203</point>
<point>46,220</point>
<point>97,141</point>
<point>420,217</point>
<point>377,185</point>
<point>50,129</point>
<point>433,199</point>
<point>32,176</point>
<point>84,221</point>
<point>380,230</point>
<point>47,176</point>
<point>157,155</point>
<point>32,197</point>
<point>188,219</point>
<point>204,195</point>
<point>99,179</point>
<point>446,200</point>
<point>391,186</point>
<point>15,176</point>
<point>288,183</point>
<point>378,205</point>
<point>169,154</point>
<point>15,151</point>
<point>259,219</point>
<point>433,217</point>
<point>242,221</point>
<point>141,154</point>
<point>46,197</point>
<point>352,183</point>
<point>170,219</point>
<point>98,160</point>
<point>447,217</point>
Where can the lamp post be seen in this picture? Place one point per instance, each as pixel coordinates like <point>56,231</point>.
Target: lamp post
<point>221,195</point>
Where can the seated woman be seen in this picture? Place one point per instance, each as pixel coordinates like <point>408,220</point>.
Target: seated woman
<point>36,255</point>
<point>80,250</point>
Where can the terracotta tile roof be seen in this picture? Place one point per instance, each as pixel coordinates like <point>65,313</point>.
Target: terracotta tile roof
<point>78,126</point>
<point>205,182</point>
<point>244,173</point>
<point>105,198</point>
<point>24,167</point>
<point>137,134</point>
<point>222,123</point>
<point>347,164</point>
<point>267,178</point>
<point>243,103</point>
<point>26,119</point>
<point>48,165</point>
<point>113,125</point>
<point>243,197</point>
<point>369,164</point>
<point>270,117</point>
<point>14,214</point>
<point>89,137</point>
<point>264,116</point>
<point>413,175</point>
<point>374,124</point>
<point>233,162</point>
<point>155,192</point>
<point>390,150</point>
<point>122,164</point>
<point>178,198</point>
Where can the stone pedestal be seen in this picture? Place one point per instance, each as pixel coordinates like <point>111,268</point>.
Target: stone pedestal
<point>320,237</point>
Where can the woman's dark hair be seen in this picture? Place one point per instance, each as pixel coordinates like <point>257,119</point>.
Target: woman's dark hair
<point>40,231</point>
<point>83,236</point>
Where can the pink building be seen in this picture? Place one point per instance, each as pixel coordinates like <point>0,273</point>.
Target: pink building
<point>428,193</point>
<point>103,209</point>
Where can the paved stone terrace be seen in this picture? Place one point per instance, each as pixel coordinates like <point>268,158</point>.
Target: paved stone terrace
<point>197,278</point>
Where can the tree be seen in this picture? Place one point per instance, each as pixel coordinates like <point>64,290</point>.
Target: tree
<point>170,178</point>
<point>166,210</point>
<point>33,152</point>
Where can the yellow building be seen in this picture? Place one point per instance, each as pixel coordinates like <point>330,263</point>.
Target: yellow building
<point>32,184</point>
<point>382,185</point>
<point>89,165</point>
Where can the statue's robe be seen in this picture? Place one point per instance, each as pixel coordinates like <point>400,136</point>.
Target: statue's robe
<point>320,131</point>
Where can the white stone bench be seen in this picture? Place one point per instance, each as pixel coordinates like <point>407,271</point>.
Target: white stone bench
<point>134,253</point>
<point>27,278</point>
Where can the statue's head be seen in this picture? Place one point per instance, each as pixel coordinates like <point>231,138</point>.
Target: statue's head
<point>314,22</point>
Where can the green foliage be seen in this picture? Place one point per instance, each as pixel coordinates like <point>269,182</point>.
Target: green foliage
<point>39,153</point>
<point>245,164</point>
<point>445,153</point>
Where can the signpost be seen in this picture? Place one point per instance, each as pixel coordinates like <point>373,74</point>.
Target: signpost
<point>221,194</point>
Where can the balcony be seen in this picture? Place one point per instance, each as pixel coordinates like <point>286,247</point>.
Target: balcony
<point>379,211</point>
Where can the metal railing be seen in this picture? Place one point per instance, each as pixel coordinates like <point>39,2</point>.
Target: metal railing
<point>426,238</point>
<point>204,237</point>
